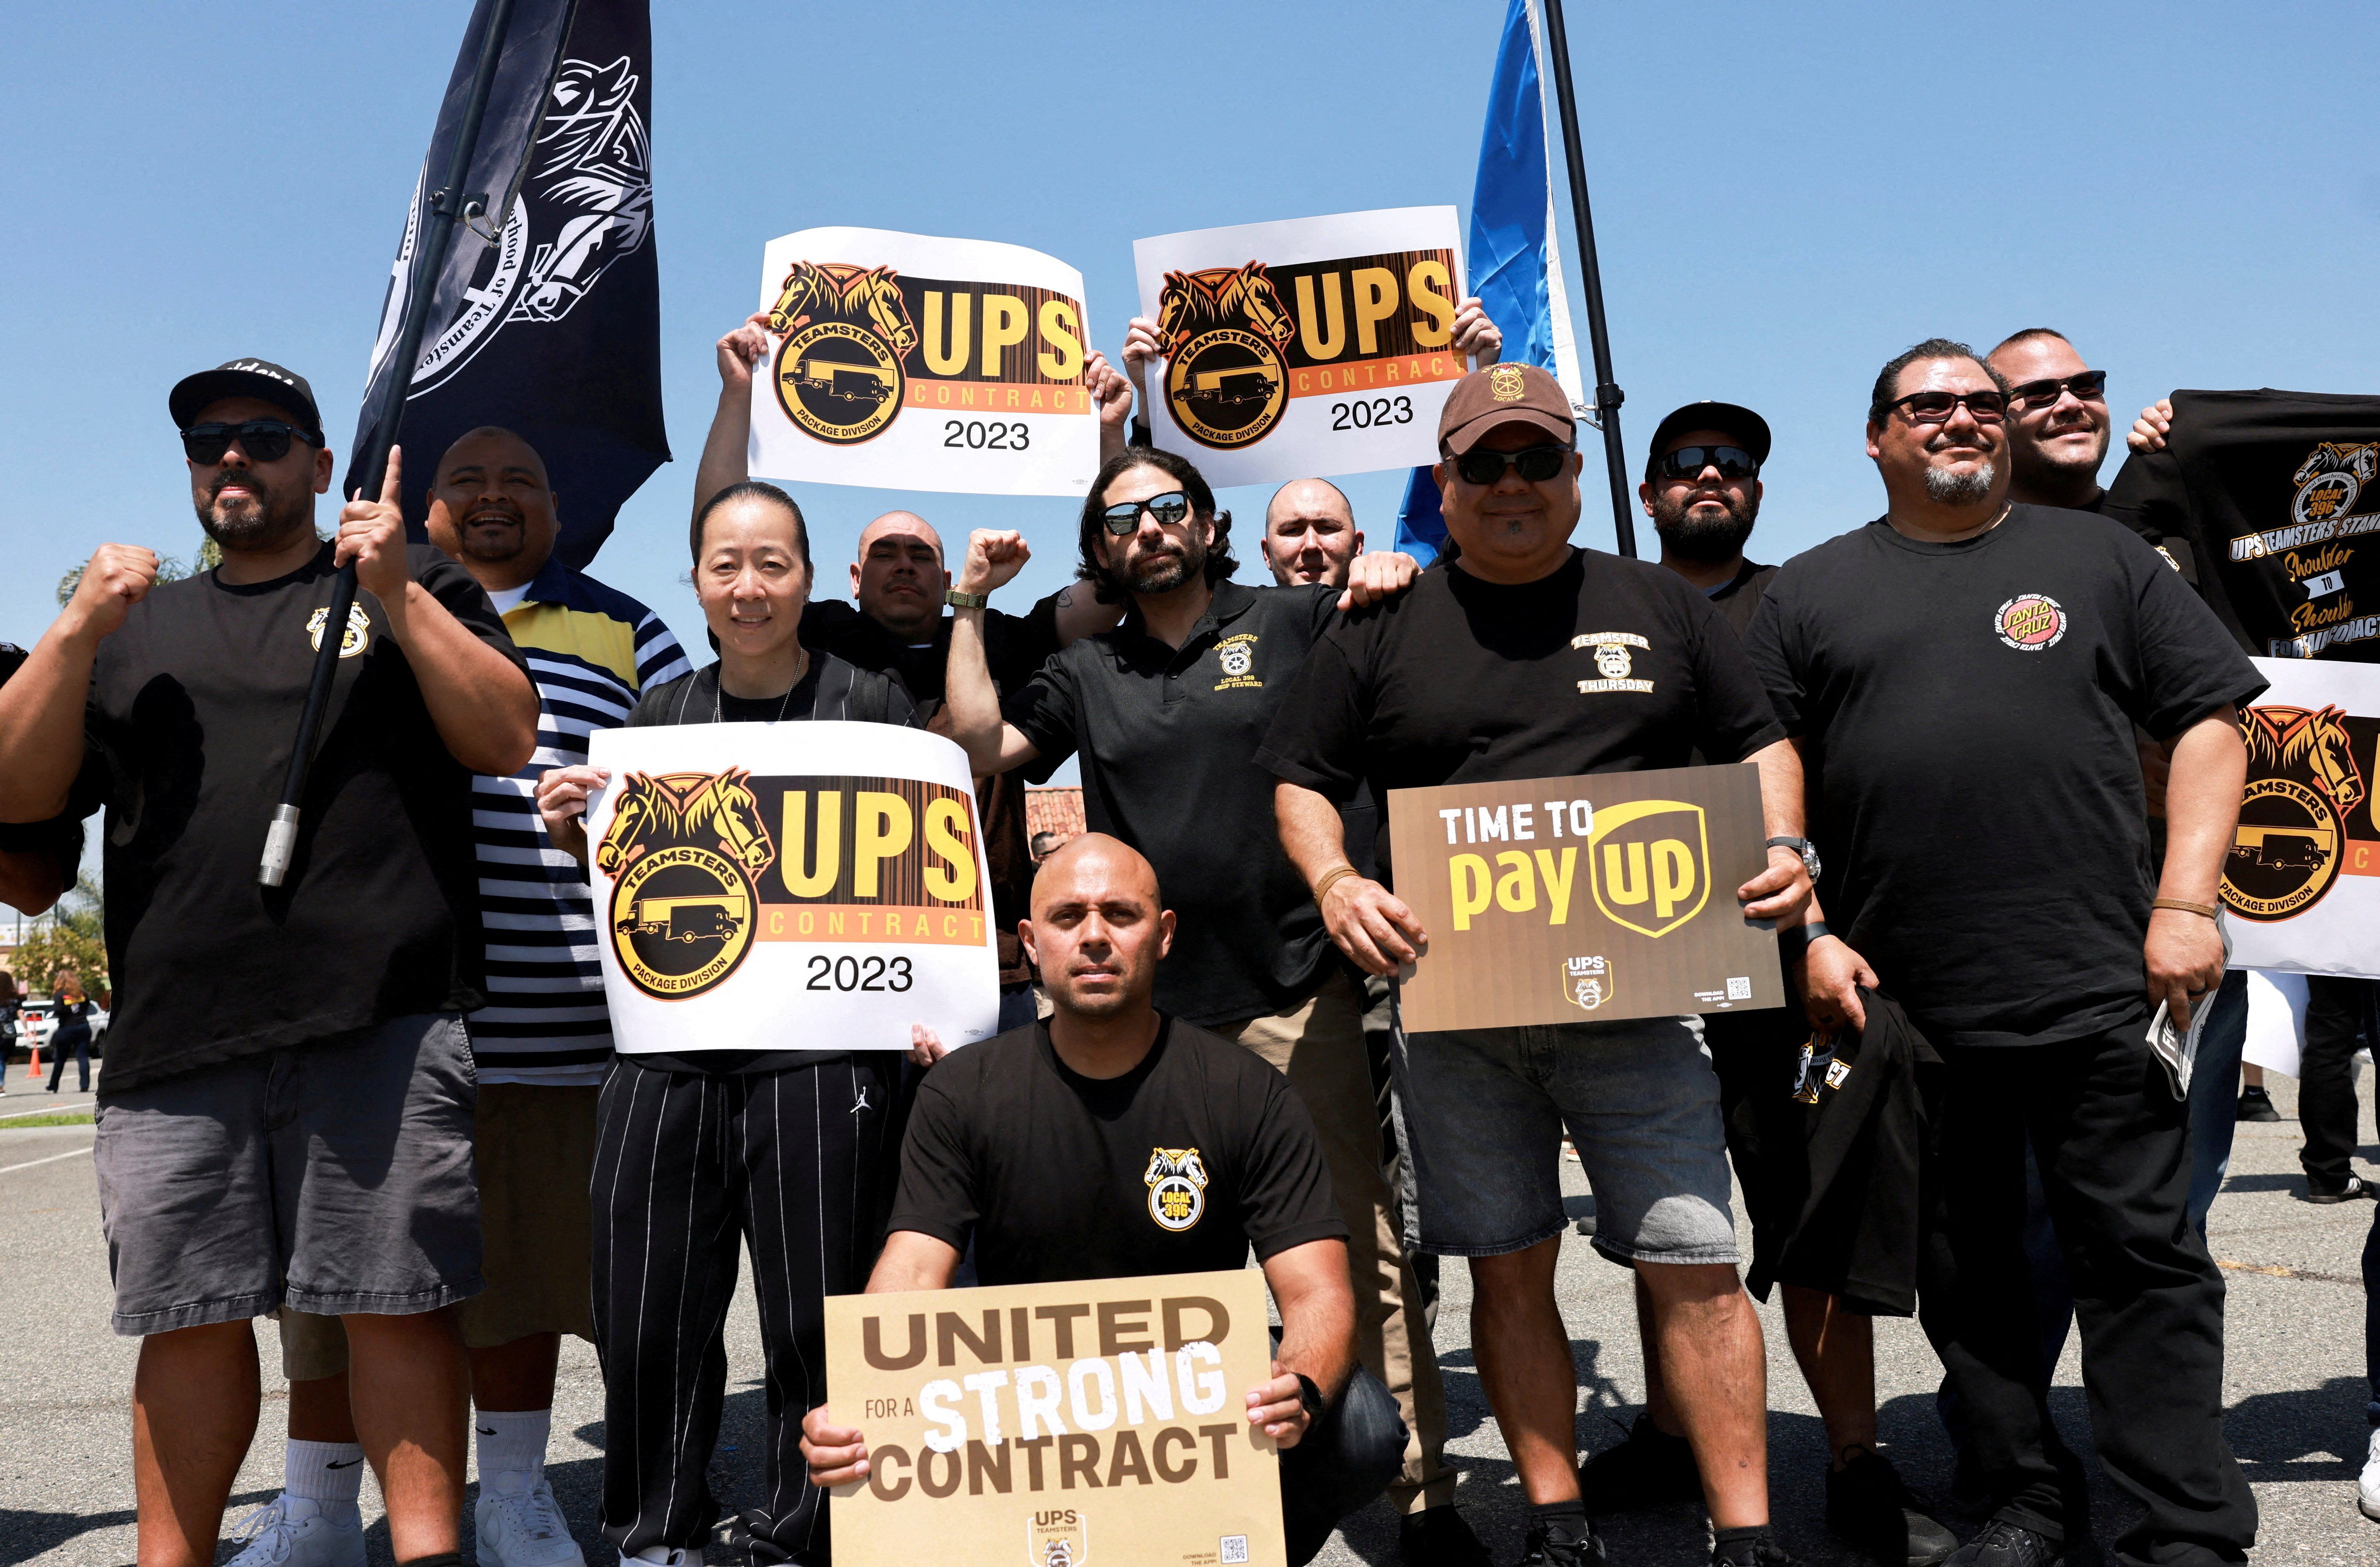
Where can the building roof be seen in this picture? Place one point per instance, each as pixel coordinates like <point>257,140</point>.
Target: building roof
<point>1058,811</point>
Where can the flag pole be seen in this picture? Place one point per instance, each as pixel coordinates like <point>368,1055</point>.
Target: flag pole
<point>1607,395</point>
<point>438,233</point>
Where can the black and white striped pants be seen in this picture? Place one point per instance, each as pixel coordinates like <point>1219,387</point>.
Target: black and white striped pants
<point>800,1165</point>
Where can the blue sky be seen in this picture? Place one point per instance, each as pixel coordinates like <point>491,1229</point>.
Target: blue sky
<point>1784,197</point>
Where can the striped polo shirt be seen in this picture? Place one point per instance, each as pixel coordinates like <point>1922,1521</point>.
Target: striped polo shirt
<point>592,651</point>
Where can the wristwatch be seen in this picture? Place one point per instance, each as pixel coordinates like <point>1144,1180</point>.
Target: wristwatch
<point>957,599</point>
<point>1803,846</point>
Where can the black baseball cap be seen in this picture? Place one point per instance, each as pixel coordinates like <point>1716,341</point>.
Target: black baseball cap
<point>260,379</point>
<point>1729,419</point>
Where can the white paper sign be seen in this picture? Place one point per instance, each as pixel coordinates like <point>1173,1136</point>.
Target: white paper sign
<point>2302,877</point>
<point>790,886</point>
<point>908,362</point>
<point>1316,346</point>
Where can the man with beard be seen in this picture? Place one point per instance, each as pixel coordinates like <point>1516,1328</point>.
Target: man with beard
<point>541,1044</point>
<point>1702,489</point>
<point>1167,711</point>
<point>1966,674</point>
<point>286,1117</point>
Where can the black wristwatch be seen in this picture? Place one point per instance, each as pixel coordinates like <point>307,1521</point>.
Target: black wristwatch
<point>1309,1395</point>
<point>1803,846</point>
<point>1791,943</point>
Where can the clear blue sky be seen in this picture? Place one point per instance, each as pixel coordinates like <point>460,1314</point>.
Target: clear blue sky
<point>1784,197</point>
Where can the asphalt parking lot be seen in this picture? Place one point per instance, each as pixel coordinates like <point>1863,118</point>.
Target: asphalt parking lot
<point>2294,1384</point>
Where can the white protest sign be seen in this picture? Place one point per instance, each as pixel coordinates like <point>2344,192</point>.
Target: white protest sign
<point>1313,345</point>
<point>790,886</point>
<point>2302,877</point>
<point>908,362</point>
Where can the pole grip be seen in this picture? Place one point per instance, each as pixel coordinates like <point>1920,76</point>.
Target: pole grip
<point>280,842</point>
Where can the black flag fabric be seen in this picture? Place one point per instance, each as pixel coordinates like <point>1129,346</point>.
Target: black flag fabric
<point>2268,500</point>
<point>546,317</point>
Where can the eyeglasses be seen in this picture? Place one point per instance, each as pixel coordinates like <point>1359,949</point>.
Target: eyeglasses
<point>1688,462</point>
<point>1936,408</point>
<point>2091,386</point>
<point>1535,463</point>
<point>264,441</point>
<point>1124,516</point>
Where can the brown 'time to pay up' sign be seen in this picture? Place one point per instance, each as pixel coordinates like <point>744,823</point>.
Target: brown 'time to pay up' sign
<point>1576,900</point>
<point>1099,1422</point>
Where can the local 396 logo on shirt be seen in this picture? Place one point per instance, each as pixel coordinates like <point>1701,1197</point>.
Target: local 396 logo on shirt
<point>1177,1187</point>
<point>2030,623</point>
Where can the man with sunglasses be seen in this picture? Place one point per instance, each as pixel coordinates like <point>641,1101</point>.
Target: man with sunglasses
<point>1968,673</point>
<point>1528,658</point>
<point>1702,489</point>
<point>286,1114</point>
<point>1166,712</point>
<point>2057,424</point>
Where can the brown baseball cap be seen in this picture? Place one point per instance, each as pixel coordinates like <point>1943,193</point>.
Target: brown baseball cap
<point>1503,395</point>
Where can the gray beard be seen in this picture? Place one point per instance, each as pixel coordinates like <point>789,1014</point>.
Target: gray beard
<point>1946,489</point>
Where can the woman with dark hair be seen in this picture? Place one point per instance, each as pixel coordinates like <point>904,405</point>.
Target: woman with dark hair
<point>74,1009</point>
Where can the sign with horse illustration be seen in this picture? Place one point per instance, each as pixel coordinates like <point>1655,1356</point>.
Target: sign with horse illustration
<point>2303,879</point>
<point>915,363</point>
<point>1316,346</point>
<point>814,886</point>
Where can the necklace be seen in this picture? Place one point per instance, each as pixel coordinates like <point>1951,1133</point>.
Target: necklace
<point>800,670</point>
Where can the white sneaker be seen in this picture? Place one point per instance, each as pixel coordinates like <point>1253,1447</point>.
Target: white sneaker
<point>2367,1487</point>
<point>291,1531</point>
<point>520,1525</point>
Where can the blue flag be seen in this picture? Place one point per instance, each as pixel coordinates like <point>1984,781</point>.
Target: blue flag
<point>1515,259</point>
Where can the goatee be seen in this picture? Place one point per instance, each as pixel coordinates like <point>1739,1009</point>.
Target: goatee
<point>1945,488</point>
<point>265,519</point>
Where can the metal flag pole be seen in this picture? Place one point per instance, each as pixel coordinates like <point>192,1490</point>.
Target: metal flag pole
<point>1608,395</point>
<point>438,233</point>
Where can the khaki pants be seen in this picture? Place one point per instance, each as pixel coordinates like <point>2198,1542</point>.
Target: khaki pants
<point>1319,1047</point>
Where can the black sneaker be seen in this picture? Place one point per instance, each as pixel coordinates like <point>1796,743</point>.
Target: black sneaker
<point>1868,1507</point>
<point>2357,1186</point>
<point>1759,1553</point>
<point>2007,1544</point>
<point>1651,1468</point>
<point>2256,1105</point>
<point>1439,1536</point>
<point>1544,1550</point>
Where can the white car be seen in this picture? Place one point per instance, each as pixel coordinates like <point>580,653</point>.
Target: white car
<point>36,1020</point>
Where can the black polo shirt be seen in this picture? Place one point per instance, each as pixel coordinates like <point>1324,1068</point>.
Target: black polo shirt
<point>1168,740</point>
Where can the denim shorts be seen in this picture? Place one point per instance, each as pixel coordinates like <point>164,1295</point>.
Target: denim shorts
<point>1485,1109</point>
<point>332,1177</point>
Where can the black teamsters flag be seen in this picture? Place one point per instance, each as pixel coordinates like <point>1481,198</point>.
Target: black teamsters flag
<point>546,317</point>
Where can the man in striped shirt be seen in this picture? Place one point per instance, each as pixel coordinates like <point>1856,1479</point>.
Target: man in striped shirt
<point>543,1041</point>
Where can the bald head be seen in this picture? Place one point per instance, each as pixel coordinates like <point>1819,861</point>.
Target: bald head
<point>1098,928</point>
<point>491,507</point>
<point>899,578</point>
<point>1094,866</point>
<point>1310,534</point>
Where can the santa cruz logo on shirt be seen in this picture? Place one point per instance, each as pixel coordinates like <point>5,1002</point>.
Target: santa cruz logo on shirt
<point>1614,666</point>
<point>2030,621</point>
<point>1177,1187</point>
<point>1237,658</point>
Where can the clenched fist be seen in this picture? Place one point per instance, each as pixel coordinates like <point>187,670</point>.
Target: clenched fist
<point>118,577</point>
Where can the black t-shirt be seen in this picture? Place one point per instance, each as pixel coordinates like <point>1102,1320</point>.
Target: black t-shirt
<point>831,690</point>
<point>2276,494</point>
<point>1169,742</point>
<point>1738,599</point>
<point>1179,1166</point>
<point>1970,710</point>
<point>194,705</point>
<point>1606,665</point>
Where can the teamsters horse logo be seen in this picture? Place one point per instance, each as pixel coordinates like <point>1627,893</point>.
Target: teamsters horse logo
<point>2302,782</point>
<point>1177,1187</point>
<point>2331,477</point>
<point>1223,331</point>
<point>846,330</point>
<point>683,850</point>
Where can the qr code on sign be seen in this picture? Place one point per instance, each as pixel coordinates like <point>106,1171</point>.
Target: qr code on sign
<point>1739,987</point>
<point>1236,1548</point>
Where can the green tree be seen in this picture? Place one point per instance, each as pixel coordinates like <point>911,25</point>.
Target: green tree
<point>169,568</point>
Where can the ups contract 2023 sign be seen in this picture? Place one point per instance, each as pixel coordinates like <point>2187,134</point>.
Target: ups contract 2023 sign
<point>1103,1421</point>
<point>1578,900</point>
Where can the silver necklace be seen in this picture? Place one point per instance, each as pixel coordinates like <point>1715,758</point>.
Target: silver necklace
<point>800,670</point>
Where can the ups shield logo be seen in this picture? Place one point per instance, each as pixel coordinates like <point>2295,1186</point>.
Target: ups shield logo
<point>1649,864</point>
<point>1058,1536</point>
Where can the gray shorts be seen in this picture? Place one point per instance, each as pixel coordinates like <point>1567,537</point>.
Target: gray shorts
<point>331,1177</point>
<point>1485,1109</point>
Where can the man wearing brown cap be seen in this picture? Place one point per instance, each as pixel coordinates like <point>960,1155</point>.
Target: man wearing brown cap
<point>1526,658</point>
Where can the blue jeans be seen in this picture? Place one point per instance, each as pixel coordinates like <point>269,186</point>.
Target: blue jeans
<point>2215,1095</point>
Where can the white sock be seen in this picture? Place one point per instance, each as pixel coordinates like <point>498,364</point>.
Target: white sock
<point>512,1441</point>
<point>323,1470</point>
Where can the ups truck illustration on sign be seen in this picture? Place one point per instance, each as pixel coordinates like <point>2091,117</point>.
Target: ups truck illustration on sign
<point>1565,900</point>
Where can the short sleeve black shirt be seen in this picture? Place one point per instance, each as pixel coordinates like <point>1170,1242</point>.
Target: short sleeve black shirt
<point>1169,745</point>
<point>193,708</point>
<point>1969,708</point>
<point>1179,1166</point>
<point>1606,665</point>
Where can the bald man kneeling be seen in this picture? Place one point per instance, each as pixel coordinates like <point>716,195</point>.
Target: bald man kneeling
<point>1032,1145</point>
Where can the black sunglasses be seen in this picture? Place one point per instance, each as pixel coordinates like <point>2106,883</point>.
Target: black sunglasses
<point>2091,386</point>
<point>264,440</point>
<point>1535,463</point>
<point>1936,408</point>
<point>1688,462</point>
<point>1124,516</point>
